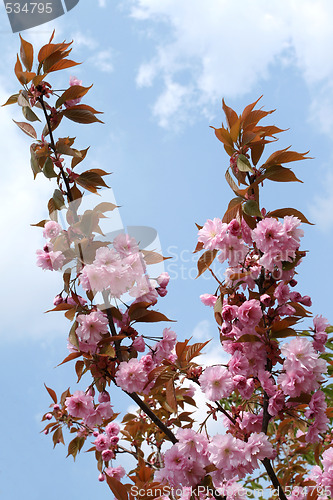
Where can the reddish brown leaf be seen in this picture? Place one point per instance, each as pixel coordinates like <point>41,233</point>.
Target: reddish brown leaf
<point>171,395</point>
<point>284,156</point>
<point>248,109</point>
<point>83,116</point>
<point>224,136</point>
<point>282,212</point>
<point>51,393</point>
<point>231,115</point>
<point>11,100</point>
<point>50,48</point>
<point>63,64</point>
<point>117,488</point>
<point>233,209</point>
<point>27,54</point>
<point>27,129</point>
<point>205,261</point>
<point>73,92</point>
<point>70,357</point>
<point>278,173</point>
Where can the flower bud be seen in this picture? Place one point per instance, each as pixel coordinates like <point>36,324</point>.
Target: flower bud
<point>107,455</point>
<point>104,397</point>
<point>48,416</point>
<point>101,477</point>
<point>58,300</point>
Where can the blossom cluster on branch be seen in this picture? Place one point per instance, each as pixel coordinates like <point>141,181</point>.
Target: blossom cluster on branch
<point>272,397</point>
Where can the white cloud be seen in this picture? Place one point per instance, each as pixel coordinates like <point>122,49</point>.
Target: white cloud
<point>102,3</point>
<point>221,48</point>
<point>103,60</point>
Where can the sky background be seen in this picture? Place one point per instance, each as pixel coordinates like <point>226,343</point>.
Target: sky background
<point>160,70</point>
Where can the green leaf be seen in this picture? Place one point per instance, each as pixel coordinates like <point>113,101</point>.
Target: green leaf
<point>243,164</point>
<point>34,163</point>
<point>29,114</point>
<point>58,199</point>
<point>72,337</point>
<point>251,208</point>
<point>48,169</point>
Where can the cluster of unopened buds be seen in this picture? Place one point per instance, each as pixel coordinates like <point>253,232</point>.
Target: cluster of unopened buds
<point>42,89</point>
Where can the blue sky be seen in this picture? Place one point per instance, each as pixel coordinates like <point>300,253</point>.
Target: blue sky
<point>160,70</point>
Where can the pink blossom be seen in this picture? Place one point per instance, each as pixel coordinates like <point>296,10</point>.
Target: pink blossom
<point>232,249</point>
<point>112,429</point>
<point>229,313</point>
<point>268,235</point>
<point>216,383</point>
<point>51,229</point>
<point>257,448</point>
<point>303,369</point>
<point>139,344</point>
<point>49,260</point>
<point>245,386</point>
<point>251,422</point>
<point>131,376</point>
<point>227,454</point>
<point>282,293</point>
<point>292,231</point>
<point>125,245</point>
<point>73,81</point>
<point>208,300</point>
<point>164,348</point>
<point>163,279</point>
<point>116,472</point>
<point>266,300</point>
<point>212,233</point>
<point>191,442</point>
<point>320,336</point>
<point>246,232</point>
<point>317,410</point>
<point>79,405</point>
<point>104,397</point>
<point>276,403</point>
<point>238,364</point>
<point>107,455</point>
<point>102,442</point>
<point>250,313</point>
<point>234,227</point>
<point>267,382</point>
<point>92,326</point>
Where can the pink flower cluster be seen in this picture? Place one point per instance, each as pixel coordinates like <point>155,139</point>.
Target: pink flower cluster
<point>132,375</point>
<point>122,269</point>
<point>216,235</point>
<point>324,478</point>
<point>48,259</point>
<point>185,462</point>
<point>277,241</point>
<point>81,405</point>
<point>303,369</point>
<point>91,328</point>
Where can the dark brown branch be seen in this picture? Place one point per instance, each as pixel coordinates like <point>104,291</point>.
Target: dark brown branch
<point>145,408</point>
<point>275,482</point>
